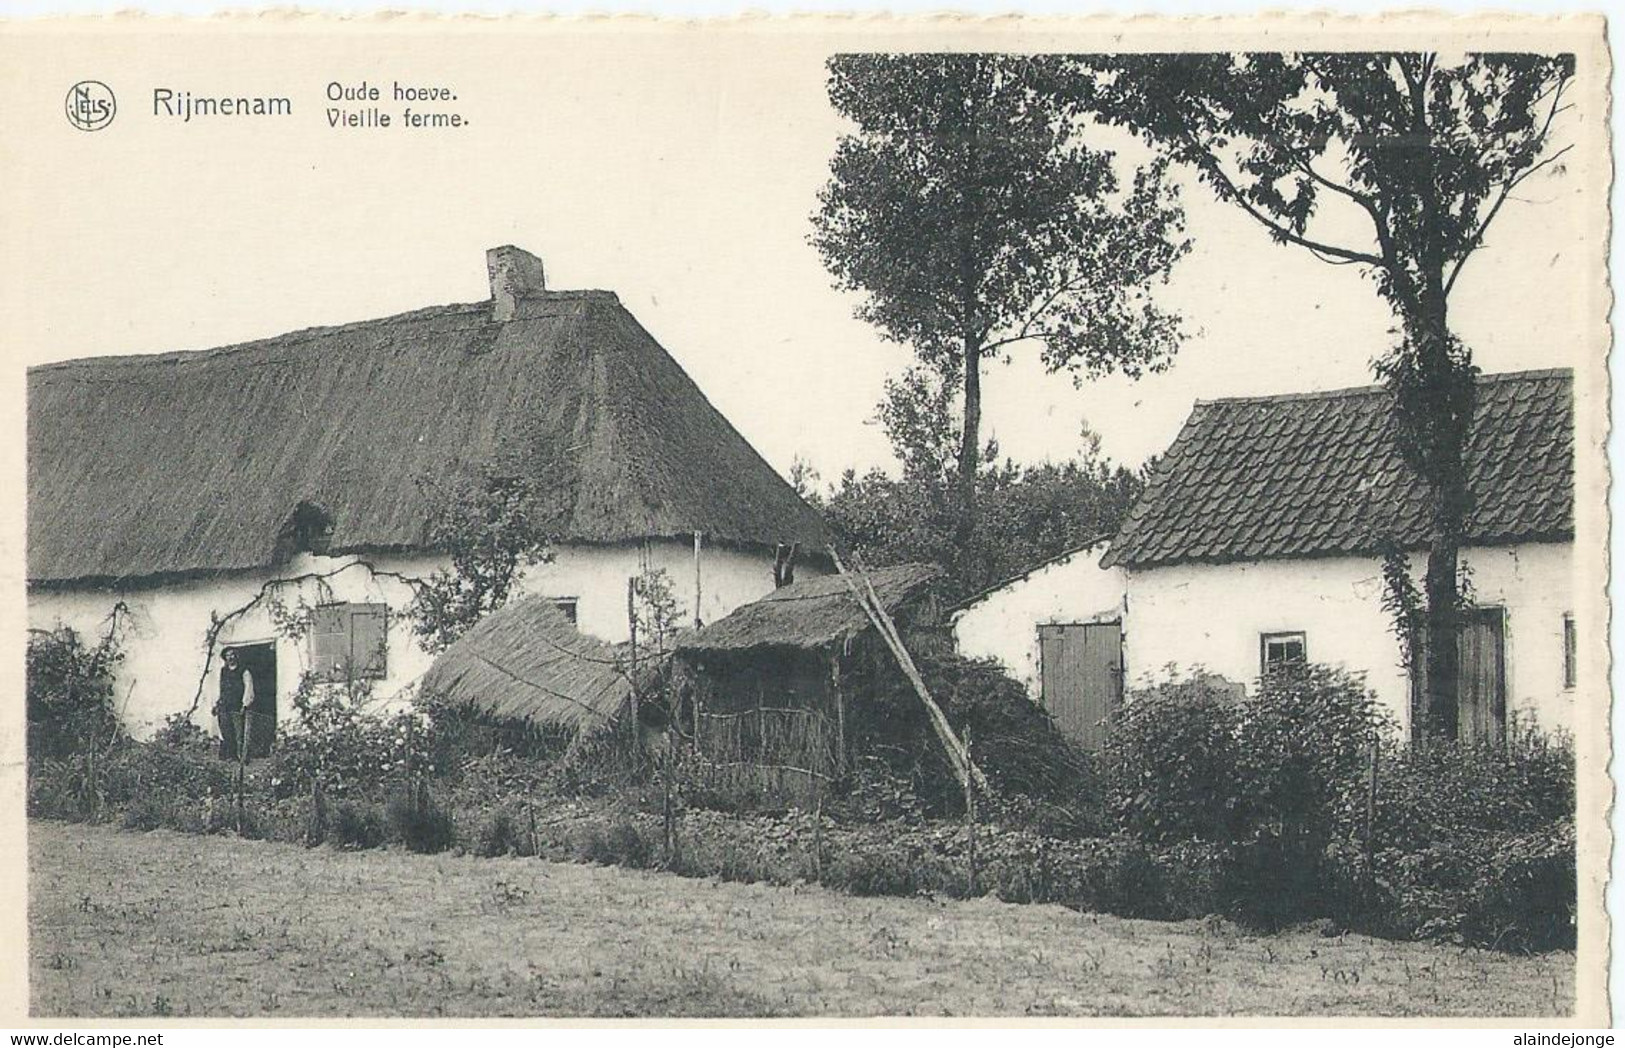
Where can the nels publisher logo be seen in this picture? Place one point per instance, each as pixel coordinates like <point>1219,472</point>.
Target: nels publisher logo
<point>90,105</point>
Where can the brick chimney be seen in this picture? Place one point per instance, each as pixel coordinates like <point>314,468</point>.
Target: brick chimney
<point>514,274</point>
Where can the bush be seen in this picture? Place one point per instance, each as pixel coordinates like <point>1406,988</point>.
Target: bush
<point>1306,737</point>
<point>337,742</point>
<point>1171,763</point>
<point>1469,843</point>
<point>154,769</point>
<point>1525,895</point>
<point>1442,791</point>
<point>504,831</point>
<point>71,787</point>
<point>178,732</point>
<point>418,822</point>
<point>355,825</point>
<point>70,691</point>
<point>623,843</point>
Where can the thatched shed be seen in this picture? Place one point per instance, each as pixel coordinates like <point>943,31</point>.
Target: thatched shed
<point>528,663</point>
<point>772,689</point>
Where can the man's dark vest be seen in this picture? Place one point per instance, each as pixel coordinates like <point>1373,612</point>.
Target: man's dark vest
<point>231,689</point>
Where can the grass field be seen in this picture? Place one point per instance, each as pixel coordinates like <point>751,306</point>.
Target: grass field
<point>143,924</point>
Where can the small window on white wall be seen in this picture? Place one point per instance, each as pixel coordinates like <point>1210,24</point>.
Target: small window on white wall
<point>1571,654</point>
<point>566,605</point>
<point>1277,650</point>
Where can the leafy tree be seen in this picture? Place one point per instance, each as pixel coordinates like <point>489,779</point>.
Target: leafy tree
<point>1425,151</point>
<point>1028,514</point>
<point>973,218</point>
<point>491,524</point>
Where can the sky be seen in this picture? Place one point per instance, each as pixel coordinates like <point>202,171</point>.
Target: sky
<point>683,179</point>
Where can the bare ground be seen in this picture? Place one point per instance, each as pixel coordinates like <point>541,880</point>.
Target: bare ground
<point>143,924</point>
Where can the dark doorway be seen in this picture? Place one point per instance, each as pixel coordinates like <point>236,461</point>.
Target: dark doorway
<point>259,662</point>
<point>1081,671</point>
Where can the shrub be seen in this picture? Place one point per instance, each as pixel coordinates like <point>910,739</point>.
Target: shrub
<point>1444,790</point>
<point>337,742</point>
<point>179,732</point>
<point>355,825</point>
<point>503,832</point>
<point>70,691</point>
<point>146,813</point>
<point>187,771</point>
<point>418,822</point>
<point>1170,763</point>
<point>1306,737</point>
<point>1525,895</point>
<point>71,787</point>
<point>876,793</point>
<point>623,843</point>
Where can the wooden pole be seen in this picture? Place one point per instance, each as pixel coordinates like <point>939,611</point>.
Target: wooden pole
<point>632,636</point>
<point>244,726</point>
<point>698,542</point>
<point>670,805</point>
<point>964,769</point>
<point>818,831</point>
<point>970,819</point>
<point>840,712</point>
<point>1371,808</point>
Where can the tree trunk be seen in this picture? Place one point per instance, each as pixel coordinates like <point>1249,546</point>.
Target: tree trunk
<point>1447,400</point>
<point>969,441</point>
<point>1440,414</point>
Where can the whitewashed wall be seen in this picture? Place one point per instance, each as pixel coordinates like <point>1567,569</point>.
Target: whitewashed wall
<point>1212,615</point>
<point>1003,625</point>
<point>166,631</point>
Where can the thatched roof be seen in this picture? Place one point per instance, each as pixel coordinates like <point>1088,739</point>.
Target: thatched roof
<point>527,662</point>
<point>195,462</point>
<point>811,613</point>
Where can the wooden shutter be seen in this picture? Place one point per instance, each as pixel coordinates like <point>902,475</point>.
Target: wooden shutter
<point>369,632</point>
<point>329,641</point>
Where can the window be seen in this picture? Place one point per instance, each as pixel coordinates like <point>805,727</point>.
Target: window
<point>1571,654</point>
<point>348,642</point>
<point>566,605</point>
<point>1281,649</point>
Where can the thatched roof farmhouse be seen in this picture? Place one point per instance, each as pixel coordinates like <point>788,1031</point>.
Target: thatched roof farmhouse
<point>219,492</point>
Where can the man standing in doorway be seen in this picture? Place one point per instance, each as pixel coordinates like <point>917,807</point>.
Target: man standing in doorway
<point>235,707</point>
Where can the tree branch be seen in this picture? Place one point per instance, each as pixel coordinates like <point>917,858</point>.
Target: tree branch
<point>1477,238</point>
<point>1020,336</point>
<point>1211,164</point>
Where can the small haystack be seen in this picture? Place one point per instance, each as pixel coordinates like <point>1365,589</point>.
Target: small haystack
<point>528,663</point>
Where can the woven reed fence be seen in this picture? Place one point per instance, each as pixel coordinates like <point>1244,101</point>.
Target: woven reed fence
<point>781,752</point>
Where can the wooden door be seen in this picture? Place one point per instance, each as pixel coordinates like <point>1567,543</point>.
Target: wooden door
<point>1081,677</point>
<point>1482,711</point>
